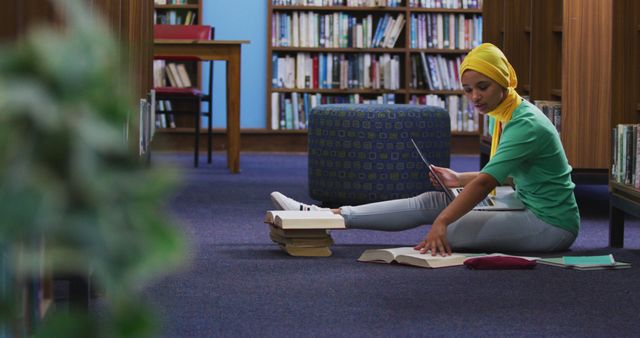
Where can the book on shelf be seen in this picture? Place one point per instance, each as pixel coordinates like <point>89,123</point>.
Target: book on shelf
<point>625,154</point>
<point>159,73</point>
<point>552,110</point>
<point>173,75</point>
<point>597,262</point>
<point>409,256</point>
<point>183,75</point>
<point>394,32</point>
<point>164,115</point>
<point>312,219</point>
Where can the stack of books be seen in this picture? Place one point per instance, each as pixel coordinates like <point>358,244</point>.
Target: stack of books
<point>303,233</point>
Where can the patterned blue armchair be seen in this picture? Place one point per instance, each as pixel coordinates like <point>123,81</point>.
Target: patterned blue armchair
<point>361,153</point>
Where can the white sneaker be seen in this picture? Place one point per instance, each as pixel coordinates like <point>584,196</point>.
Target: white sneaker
<point>283,202</point>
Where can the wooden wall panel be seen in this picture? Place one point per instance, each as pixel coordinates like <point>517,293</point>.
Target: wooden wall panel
<point>138,17</point>
<point>130,21</point>
<point>492,22</point>
<point>9,20</point>
<point>586,84</point>
<point>626,49</point>
<point>546,47</point>
<point>516,45</point>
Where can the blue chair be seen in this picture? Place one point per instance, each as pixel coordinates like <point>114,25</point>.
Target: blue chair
<point>362,153</point>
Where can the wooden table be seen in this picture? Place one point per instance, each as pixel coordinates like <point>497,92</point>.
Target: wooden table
<point>623,199</point>
<point>218,50</point>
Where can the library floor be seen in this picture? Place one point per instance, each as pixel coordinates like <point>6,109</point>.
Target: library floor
<point>235,282</point>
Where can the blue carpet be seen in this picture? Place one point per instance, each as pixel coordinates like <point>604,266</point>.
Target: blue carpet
<point>237,283</point>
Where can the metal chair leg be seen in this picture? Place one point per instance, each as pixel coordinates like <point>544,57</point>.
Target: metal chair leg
<point>209,137</point>
<point>197,137</point>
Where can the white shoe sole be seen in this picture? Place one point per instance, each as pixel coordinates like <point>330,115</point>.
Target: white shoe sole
<point>276,202</point>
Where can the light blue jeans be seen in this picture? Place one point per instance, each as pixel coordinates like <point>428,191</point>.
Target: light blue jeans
<point>509,231</point>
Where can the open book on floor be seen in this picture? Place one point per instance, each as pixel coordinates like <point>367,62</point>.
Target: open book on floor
<point>598,262</point>
<point>409,256</point>
<point>313,219</point>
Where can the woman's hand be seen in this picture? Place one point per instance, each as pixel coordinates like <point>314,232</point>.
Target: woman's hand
<point>435,241</point>
<point>449,177</point>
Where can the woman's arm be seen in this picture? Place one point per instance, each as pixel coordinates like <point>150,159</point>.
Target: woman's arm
<point>467,177</point>
<point>474,192</point>
<point>452,178</point>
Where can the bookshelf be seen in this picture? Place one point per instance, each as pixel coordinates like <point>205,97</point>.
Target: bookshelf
<point>177,114</point>
<point>131,23</point>
<point>624,199</point>
<point>177,12</point>
<point>319,67</point>
<point>585,55</point>
<point>530,34</point>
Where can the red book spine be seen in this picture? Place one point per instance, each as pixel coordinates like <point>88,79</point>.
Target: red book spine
<point>315,71</point>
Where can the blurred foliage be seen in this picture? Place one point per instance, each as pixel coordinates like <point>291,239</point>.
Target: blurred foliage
<point>68,176</point>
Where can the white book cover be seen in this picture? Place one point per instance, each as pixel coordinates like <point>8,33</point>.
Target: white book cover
<point>440,31</point>
<point>359,36</point>
<point>367,73</point>
<point>395,31</point>
<point>174,76</point>
<point>387,32</point>
<point>308,71</point>
<point>336,30</point>
<point>303,30</point>
<point>282,65</point>
<point>313,219</point>
<point>295,30</point>
<point>290,72</point>
<point>275,111</point>
<point>300,70</point>
<point>184,75</point>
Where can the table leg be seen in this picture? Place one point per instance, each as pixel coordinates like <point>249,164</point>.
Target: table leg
<point>233,111</point>
<point>616,225</point>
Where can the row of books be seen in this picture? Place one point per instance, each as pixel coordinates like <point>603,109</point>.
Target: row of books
<point>463,116</point>
<point>291,111</point>
<point>449,4</point>
<point>170,74</point>
<point>446,31</point>
<point>334,30</point>
<point>171,2</point>
<point>146,126</point>
<point>625,154</point>
<point>349,3</point>
<point>435,72</point>
<point>164,115</point>
<point>553,111</point>
<point>336,70</point>
<point>174,17</point>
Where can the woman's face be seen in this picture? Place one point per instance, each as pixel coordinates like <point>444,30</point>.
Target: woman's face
<point>484,93</point>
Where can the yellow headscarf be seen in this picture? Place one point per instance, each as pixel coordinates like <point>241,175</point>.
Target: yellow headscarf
<point>489,60</point>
